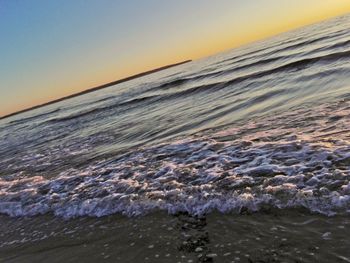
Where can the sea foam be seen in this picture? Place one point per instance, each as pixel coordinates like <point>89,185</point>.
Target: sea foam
<point>298,159</point>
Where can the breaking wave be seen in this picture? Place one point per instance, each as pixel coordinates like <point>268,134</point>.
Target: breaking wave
<point>267,163</point>
<point>195,138</point>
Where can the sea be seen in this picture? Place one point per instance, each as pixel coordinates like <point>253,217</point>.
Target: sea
<point>243,156</point>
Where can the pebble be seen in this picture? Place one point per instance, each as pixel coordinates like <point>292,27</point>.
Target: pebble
<point>326,235</point>
<point>198,249</point>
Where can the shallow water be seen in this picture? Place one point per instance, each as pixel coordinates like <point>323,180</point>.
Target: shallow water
<point>240,157</point>
<point>298,159</point>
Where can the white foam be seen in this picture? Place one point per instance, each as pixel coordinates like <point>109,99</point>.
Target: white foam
<point>291,161</point>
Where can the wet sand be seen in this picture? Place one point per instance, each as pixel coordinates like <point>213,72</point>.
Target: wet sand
<point>278,236</point>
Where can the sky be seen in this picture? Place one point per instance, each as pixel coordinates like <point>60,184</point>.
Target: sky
<point>50,49</point>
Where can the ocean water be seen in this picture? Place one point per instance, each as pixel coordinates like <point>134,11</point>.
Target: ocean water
<point>255,138</point>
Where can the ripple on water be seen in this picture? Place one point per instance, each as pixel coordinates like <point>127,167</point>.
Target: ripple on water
<point>266,163</point>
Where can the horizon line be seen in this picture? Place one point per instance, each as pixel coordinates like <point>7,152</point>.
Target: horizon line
<point>124,79</point>
<point>99,87</point>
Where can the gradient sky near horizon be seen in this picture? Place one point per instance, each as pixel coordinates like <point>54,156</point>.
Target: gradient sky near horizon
<point>49,49</point>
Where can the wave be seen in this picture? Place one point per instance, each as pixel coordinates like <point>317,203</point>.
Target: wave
<point>257,54</point>
<point>295,65</point>
<point>128,104</point>
<point>101,155</point>
<point>31,118</point>
<point>341,44</point>
<point>178,82</point>
<point>266,163</point>
<point>264,61</point>
<point>290,66</point>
